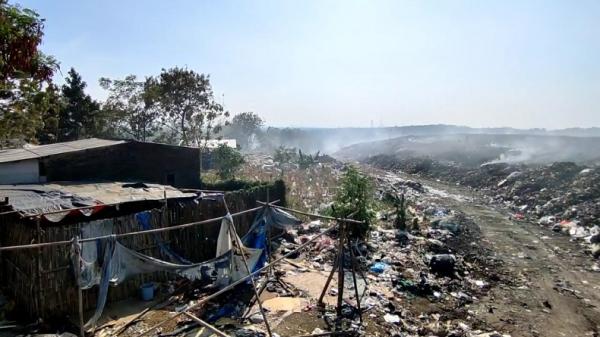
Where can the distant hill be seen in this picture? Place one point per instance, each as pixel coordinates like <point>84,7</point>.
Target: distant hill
<point>330,140</point>
<point>476,149</point>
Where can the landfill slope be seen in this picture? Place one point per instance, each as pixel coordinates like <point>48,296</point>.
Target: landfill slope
<point>550,286</point>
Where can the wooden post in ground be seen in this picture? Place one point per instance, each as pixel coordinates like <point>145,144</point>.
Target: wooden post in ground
<point>40,302</point>
<point>240,246</point>
<point>354,267</point>
<point>334,268</point>
<point>341,270</point>
<point>79,291</point>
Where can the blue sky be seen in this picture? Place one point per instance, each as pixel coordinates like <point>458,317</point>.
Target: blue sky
<point>351,63</point>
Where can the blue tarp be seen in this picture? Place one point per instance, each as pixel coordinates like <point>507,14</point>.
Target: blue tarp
<point>106,261</point>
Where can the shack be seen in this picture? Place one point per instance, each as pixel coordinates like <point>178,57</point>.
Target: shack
<point>96,159</point>
<point>41,280</point>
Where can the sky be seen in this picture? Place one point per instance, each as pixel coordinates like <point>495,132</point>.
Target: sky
<point>347,63</point>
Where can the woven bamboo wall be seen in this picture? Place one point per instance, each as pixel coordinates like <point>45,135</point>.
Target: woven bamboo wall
<point>54,290</point>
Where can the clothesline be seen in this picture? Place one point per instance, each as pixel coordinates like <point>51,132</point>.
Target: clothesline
<point>156,230</point>
<point>243,279</point>
<point>165,229</point>
<point>325,217</point>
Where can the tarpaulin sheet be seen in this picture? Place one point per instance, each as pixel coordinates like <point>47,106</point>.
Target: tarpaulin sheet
<point>265,220</point>
<point>107,262</point>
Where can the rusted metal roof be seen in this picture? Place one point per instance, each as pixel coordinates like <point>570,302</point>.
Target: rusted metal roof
<point>35,199</point>
<point>39,151</point>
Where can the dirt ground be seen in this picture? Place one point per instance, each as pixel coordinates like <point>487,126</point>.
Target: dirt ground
<point>551,286</point>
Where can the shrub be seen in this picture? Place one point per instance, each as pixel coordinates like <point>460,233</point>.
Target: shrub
<point>354,199</point>
<point>227,161</point>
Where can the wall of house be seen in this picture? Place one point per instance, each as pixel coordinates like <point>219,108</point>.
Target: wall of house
<point>131,161</point>
<point>49,290</point>
<point>19,172</point>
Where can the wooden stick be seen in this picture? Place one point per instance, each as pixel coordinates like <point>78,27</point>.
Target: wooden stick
<point>128,323</point>
<point>318,215</point>
<point>39,266</point>
<point>240,246</point>
<point>333,270</point>
<point>206,325</point>
<point>341,270</point>
<point>79,292</point>
<point>329,333</point>
<point>353,262</point>
<point>243,279</point>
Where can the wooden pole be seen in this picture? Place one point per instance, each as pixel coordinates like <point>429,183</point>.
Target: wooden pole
<point>333,270</point>
<point>341,270</point>
<point>238,243</point>
<point>79,290</point>
<point>231,286</point>
<point>352,221</point>
<point>39,265</point>
<point>353,261</point>
<point>240,246</point>
<point>206,325</point>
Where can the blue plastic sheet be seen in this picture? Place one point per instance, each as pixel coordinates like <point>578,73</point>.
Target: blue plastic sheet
<point>107,262</point>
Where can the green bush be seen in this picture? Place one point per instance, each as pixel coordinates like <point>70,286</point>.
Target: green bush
<point>354,199</point>
<point>227,161</point>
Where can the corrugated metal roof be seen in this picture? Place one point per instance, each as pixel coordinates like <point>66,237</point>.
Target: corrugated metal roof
<point>35,199</point>
<point>39,151</point>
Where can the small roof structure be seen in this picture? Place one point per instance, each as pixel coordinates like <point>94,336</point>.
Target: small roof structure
<point>215,143</point>
<point>30,151</point>
<point>43,198</point>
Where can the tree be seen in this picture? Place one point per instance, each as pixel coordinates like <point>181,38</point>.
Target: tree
<point>226,161</point>
<point>191,114</point>
<point>25,73</point>
<point>50,116</point>
<point>79,116</point>
<point>131,107</point>
<point>354,199</point>
<point>243,126</point>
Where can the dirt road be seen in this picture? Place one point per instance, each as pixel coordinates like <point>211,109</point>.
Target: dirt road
<point>554,288</point>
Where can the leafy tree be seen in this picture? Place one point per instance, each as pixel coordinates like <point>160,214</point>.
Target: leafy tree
<point>354,199</point>
<point>50,115</point>
<point>226,161</point>
<point>190,111</point>
<point>243,126</point>
<point>25,73</point>
<point>131,107</point>
<point>79,116</point>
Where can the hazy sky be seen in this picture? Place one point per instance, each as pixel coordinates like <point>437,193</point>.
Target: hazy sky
<point>351,63</point>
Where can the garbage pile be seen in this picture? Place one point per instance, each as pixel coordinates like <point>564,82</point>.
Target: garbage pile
<point>424,280</point>
<point>309,188</point>
<point>563,196</point>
